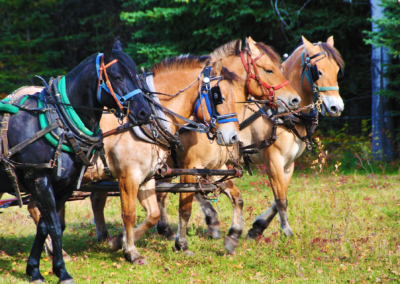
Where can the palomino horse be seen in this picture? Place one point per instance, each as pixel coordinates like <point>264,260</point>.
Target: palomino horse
<point>199,153</point>
<point>134,168</point>
<point>29,151</point>
<point>279,157</point>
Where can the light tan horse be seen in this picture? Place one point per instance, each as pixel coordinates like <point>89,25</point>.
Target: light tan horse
<point>132,160</point>
<point>199,153</point>
<point>280,156</point>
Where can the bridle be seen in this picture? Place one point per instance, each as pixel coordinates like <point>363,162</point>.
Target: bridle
<point>212,97</point>
<point>100,67</point>
<point>270,90</point>
<point>312,74</point>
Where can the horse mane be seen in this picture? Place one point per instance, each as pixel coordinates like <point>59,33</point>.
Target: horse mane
<point>126,62</point>
<point>80,66</point>
<point>232,48</point>
<point>229,76</point>
<point>332,52</point>
<point>268,50</point>
<point>329,50</point>
<point>181,62</point>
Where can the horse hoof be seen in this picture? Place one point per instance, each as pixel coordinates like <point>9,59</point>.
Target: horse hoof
<point>188,253</point>
<point>38,281</point>
<point>115,243</point>
<point>252,234</point>
<point>68,281</point>
<point>140,261</point>
<point>230,244</point>
<point>288,232</point>
<point>214,232</point>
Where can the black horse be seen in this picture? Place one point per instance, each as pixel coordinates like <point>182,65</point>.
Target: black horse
<point>52,186</point>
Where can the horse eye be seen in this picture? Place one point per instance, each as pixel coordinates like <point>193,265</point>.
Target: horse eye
<point>269,71</point>
<point>118,79</point>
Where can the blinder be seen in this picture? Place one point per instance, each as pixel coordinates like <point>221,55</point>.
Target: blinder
<point>217,95</point>
<point>213,97</point>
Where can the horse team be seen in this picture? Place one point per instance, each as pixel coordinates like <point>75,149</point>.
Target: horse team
<point>255,72</point>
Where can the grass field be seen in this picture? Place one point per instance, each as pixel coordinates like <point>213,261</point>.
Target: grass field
<point>347,231</point>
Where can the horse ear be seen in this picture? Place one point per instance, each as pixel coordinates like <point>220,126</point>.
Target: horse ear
<point>330,41</point>
<point>251,46</point>
<point>108,47</point>
<point>217,68</point>
<point>309,46</point>
<point>117,44</point>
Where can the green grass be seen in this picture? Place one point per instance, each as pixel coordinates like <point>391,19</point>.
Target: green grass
<point>347,228</point>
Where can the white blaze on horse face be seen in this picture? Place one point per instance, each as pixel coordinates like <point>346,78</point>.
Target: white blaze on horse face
<point>332,105</point>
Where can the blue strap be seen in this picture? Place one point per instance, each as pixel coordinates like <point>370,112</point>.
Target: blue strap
<point>104,86</point>
<point>203,95</point>
<point>228,120</point>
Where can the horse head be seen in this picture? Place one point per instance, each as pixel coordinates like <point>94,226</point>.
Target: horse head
<point>322,66</point>
<point>122,88</point>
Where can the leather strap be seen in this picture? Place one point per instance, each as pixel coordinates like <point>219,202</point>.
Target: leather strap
<point>120,129</point>
<point>78,150</point>
<point>14,181</point>
<point>105,165</point>
<point>4,130</point>
<point>30,140</point>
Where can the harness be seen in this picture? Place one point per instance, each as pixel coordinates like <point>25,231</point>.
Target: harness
<point>270,90</point>
<point>60,124</point>
<point>310,121</point>
<point>106,86</point>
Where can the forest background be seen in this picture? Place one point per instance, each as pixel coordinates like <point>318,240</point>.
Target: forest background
<point>50,37</point>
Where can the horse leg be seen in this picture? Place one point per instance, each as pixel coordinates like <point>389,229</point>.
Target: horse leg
<point>280,176</point>
<point>35,214</point>
<point>99,200</point>
<point>163,227</point>
<point>185,211</point>
<point>42,192</point>
<point>129,190</point>
<point>148,199</point>
<point>232,239</point>
<point>211,216</point>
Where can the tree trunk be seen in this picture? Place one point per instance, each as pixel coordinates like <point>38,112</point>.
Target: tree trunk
<point>382,123</point>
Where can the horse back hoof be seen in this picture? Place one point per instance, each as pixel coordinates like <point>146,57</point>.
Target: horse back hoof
<point>253,235</point>
<point>140,261</point>
<point>115,243</point>
<point>68,281</point>
<point>214,232</point>
<point>230,244</point>
<point>288,233</point>
<point>188,253</point>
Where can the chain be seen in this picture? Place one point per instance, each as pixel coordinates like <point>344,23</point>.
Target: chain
<point>317,105</point>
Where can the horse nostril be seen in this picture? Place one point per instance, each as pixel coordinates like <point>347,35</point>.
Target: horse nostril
<point>142,114</point>
<point>333,109</point>
<point>295,101</point>
<point>234,139</point>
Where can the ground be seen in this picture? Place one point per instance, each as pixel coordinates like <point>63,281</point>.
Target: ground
<point>347,230</point>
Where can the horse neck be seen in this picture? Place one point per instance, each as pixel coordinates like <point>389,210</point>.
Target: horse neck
<point>234,64</point>
<point>292,70</point>
<point>170,83</point>
<point>81,90</point>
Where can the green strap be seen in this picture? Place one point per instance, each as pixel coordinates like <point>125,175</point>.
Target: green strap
<point>49,136</point>
<point>70,110</point>
<point>317,88</point>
